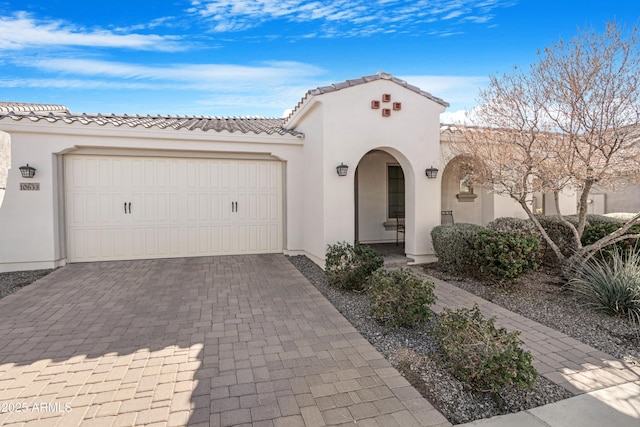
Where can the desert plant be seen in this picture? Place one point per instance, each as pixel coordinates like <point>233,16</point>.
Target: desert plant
<point>453,244</point>
<point>479,354</point>
<point>348,267</point>
<point>400,297</point>
<point>504,255</point>
<point>610,284</point>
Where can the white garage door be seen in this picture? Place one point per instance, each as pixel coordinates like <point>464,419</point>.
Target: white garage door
<point>139,207</point>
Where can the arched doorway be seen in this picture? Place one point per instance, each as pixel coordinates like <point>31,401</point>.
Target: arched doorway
<point>380,199</point>
<point>468,202</point>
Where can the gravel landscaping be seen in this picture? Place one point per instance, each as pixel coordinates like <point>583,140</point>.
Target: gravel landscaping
<point>539,296</point>
<point>412,352</point>
<point>11,282</point>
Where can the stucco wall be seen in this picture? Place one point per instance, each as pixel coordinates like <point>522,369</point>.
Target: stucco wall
<point>5,162</point>
<point>312,199</point>
<point>624,199</point>
<point>352,129</point>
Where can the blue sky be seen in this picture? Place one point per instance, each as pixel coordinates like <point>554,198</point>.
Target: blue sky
<point>259,57</point>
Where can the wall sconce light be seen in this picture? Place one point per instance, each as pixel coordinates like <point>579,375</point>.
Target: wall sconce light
<point>27,171</point>
<point>342,169</point>
<point>431,172</point>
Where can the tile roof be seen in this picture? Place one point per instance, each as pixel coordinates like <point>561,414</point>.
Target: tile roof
<point>257,125</point>
<point>381,75</point>
<point>22,107</point>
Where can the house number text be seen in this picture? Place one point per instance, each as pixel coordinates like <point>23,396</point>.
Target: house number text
<point>29,186</point>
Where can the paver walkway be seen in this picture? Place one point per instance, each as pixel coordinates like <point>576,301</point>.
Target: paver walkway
<point>566,361</point>
<point>220,341</point>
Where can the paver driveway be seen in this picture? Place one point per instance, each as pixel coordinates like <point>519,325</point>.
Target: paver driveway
<point>211,341</point>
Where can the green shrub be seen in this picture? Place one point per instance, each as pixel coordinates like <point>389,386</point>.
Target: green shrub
<point>620,216</point>
<point>596,232</point>
<point>594,219</point>
<point>610,285</point>
<point>400,297</point>
<point>561,235</point>
<point>349,267</point>
<point>523,227</point>
<point>479,354</point>
<point>504,255</point>
<point>453,244</point>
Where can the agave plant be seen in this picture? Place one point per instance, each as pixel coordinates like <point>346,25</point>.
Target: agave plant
<point>611,285</point>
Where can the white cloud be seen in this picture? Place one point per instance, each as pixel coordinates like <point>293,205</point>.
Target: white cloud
<point>344,17</point>
<point>454,117</point>
<point>21,31</point>
<point>459,91</point>
<point>221,88</point>
<point>200,75</point>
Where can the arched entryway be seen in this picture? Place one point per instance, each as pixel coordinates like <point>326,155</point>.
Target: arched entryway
<point>380,199</point>
<point>467,202</point>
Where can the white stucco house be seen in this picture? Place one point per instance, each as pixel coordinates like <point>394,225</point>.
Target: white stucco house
<point>119,187</point>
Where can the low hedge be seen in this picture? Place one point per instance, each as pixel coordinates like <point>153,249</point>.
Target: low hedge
<point>596,232</point>
<point>523,227</point>
<point>560,233</point>
<point>454,246</point>
<point>506,256</point>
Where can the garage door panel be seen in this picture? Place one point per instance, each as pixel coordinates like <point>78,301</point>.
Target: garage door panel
<point>76,240</point>
<point>150,207</point>
<point>122,241</point>
<point>215,207</point>
<point>138,240</point>
<point>192,208</point>
<point>179,207</point>
<point>175,244</point>
<point>106,243</point>
<point>173,201</point>
<point>164,239</point>
<point>204,207</point>
<point>226,234</point>
<point>150,175</point>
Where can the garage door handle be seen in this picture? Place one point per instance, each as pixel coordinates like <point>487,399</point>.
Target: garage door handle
<point>232,207</point>
<point>125,207</point>
<point>129,207</point>
<point>236,206</point>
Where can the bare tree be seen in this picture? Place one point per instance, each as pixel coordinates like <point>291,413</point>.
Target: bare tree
<point>569,123</point>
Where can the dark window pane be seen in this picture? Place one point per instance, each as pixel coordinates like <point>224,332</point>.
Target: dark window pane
<point>395,191</point>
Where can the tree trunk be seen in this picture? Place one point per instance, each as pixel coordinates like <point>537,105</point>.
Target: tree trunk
<point>556,250</point>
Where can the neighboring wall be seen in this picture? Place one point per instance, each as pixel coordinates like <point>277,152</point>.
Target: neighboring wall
<point>624,199</point>
<point>5,162</point>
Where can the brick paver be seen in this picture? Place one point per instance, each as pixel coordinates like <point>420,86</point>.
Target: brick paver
<point>207,341</point>
<point>566,361</point>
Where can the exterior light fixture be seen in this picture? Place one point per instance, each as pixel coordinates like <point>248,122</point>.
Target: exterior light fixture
<point>27,171</point>
<point>342,169</point>
<point>431,172</point>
